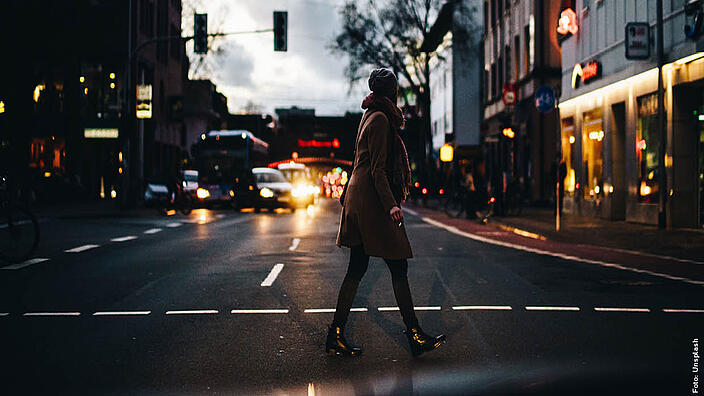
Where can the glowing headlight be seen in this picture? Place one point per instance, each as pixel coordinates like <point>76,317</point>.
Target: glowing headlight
<point>300,191</point>
<point>202,193</point>
<point>266,193</point>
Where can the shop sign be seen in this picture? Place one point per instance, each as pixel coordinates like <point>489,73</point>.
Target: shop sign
<point>586,74</point>
<point>545,99</point>
<point>144,101</point>
<point>637,40</point>
<point>567,24</point>
<point>509,94</point>
<point>101,133</point>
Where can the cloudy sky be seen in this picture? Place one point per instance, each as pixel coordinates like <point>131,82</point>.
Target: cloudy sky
<point>308,75</point>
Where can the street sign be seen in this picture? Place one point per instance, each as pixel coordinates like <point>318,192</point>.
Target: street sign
<point>509,94</point>
<point>144,101</point>
<point>545,99</point>
<point>637,40</point>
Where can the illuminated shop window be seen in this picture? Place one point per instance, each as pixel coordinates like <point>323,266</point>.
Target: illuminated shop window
<point>647,142</point>
<point>592,143</point>
<point>568,141</point>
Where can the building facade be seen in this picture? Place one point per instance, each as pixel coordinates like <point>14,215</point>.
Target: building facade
<point>521,54</point>
<point>609,123</point>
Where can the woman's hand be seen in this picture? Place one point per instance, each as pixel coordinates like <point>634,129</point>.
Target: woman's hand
<point>396,214</point>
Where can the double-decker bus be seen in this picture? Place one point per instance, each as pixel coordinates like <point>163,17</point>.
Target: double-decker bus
<point>224,160</point>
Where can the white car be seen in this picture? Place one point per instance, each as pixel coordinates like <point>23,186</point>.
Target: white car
<point>274,190</point>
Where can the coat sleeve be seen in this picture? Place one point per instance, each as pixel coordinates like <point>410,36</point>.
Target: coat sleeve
<point>378,146</point>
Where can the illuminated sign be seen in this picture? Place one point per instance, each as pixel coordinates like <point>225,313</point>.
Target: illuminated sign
<point>509,94</point>
<point>567,24</point>
<point>144,101</point>
<point>446,153</point>
<point>101,133</point>
<point>319,143</point>
<point>590,71</point>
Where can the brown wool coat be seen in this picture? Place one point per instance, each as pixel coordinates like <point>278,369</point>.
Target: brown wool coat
<point>368,199</point>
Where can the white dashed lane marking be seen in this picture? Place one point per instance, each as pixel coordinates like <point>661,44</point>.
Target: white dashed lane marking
<point>173,225</point>
<point>259,311</point>
<point>615,309</point>
<point>387,309</point>
<point>52,314</point>
<point>552,308</point>
<point>269,280</point>
<point>152,231</point>
<point>4,313</point>
<point>121,313</point>
<point>673,310</point>
<point>482,308</point>
<point>81,248</point>
<point>123,239</point>
<point>25,263</point>
<point>193,312</point>
<point>332,310</point>
<point>294,244</point>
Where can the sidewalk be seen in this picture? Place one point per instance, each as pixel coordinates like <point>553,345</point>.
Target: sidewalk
<point>674,254</point>
<point>680,243</point>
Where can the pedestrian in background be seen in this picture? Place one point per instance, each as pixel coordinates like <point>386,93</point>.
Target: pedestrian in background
<point>371,222</point>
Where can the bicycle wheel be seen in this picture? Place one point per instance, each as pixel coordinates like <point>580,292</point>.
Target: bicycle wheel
<point>19,234</point>
<point>454,205</point>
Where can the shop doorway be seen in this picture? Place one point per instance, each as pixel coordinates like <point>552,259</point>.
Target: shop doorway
<point>617,189</point>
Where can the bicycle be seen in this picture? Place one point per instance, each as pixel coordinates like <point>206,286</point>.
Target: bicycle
<point>19,229</point>
<point>180,200</point>
<point>456,204</point>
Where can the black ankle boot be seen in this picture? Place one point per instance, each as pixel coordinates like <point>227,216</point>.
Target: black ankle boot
<point>338,345</point>
<point>421,342</point>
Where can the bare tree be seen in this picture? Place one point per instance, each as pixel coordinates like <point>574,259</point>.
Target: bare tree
<point>202,66</point>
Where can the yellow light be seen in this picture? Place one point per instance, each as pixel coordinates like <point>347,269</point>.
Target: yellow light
<point>266,193</point>
<point>119,170</point>
<point>596,135</point>
<point>112,85</point>
<point>446,153</point>
<point>85,91</point>
<point>597,189</point>
<point>689,58</point>
<point>611,189</point>
<point>38,92</point>
<point>668,161</point>
<point>202,193</point>
<point>651,175</point>
<point>232,193</point>
<point>119,156</point>
<point>82,79</point>
<point>47,174</point>
<point>2,107</point>
<point>244,135</point>
<point>112,76</point>
<point>644,189</point>
<point>171,212</point>
<point>202,137</point>
<point>509,133</point>
<point>251,188</point>
<point>113,194</point>
<point>572,139</point>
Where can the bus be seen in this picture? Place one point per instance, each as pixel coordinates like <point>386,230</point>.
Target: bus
<point>224,160</point>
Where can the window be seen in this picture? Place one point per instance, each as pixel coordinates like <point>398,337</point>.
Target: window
<point>568,141</point>
<point>592,139</point>
<point>647,143</point>
<point>526,50</point>
<point>517,57</point>
<point>507,54</point>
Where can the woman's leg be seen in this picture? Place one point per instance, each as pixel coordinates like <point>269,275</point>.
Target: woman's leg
<point>399,278</point>
<point>355,271</point>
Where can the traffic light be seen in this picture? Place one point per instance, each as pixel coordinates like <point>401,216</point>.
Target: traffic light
<point>200,33</point>
<point>280,30</point>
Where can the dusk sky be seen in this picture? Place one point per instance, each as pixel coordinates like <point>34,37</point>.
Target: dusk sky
<point>308,75</point>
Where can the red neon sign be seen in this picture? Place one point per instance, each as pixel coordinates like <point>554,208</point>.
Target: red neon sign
<point>567,24</point>
<point>590,71</point>
<point>315,143</point>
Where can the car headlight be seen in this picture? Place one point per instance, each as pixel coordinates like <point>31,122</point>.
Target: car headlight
<point>300,191</point>
<point>266,193</point>
<point>202,193</point>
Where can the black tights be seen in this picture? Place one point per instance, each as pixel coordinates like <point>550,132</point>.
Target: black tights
<point>358,266</point>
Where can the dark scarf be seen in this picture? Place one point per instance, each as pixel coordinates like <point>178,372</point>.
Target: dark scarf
<point>400,177</point>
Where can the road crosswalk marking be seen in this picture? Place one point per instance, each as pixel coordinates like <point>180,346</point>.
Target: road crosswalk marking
<point>269,280</point>
<point>294,244</point>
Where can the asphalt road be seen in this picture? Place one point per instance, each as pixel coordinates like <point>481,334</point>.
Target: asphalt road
<point>228,302</point>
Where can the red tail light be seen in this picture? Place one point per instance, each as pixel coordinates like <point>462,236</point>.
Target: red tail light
<point>417,185</point>
<point>492,200</point>
<point>442,191</point>
<point>424,190</point>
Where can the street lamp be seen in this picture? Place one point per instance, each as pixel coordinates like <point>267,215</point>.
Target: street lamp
<point>446,153</point>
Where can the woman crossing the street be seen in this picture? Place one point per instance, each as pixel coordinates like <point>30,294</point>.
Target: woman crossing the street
<point>371,222</point>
